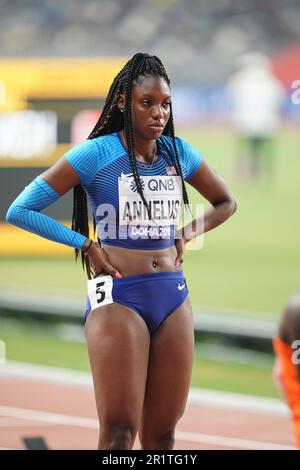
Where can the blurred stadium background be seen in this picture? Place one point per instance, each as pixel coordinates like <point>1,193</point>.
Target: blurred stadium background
<point>57,60</point>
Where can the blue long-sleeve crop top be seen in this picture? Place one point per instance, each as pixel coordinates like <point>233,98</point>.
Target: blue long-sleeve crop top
<point>122,219</point>
<point>103,167</point>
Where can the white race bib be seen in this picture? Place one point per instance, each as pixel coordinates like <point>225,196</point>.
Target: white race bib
<point>100,291</point>
<point>163,194</point>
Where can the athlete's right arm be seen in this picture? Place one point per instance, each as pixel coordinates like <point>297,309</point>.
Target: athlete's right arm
<point>79,165</point>
<point>44,190</point>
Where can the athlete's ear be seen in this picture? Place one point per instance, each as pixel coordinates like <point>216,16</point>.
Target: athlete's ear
<point>121,102</point>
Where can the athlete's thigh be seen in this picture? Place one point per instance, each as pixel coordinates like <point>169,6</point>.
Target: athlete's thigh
<point>118,346</point>
<point>169,371</point>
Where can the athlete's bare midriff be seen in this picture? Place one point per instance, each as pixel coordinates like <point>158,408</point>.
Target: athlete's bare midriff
<point>134,262</point>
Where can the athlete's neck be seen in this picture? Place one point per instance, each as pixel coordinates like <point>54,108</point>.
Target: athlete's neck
<point>145,150</point>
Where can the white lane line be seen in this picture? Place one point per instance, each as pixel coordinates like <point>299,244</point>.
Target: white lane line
<point>221,400</point>
<point>19,423</point>
<point>79,421</point>
<point>47,417</point>
<point>8,448</point>
<point>50,374</point>
<point>230,442</point>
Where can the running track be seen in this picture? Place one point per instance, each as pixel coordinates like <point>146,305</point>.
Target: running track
<point>59,405</point>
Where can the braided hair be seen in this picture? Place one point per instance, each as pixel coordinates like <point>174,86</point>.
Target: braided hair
<point>113,120</point>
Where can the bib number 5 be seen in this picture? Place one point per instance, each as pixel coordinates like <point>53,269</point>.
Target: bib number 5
<point>100,291</point>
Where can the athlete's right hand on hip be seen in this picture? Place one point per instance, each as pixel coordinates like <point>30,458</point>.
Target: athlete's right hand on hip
<point>99,262</point>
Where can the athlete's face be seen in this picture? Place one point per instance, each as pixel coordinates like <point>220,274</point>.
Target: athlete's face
<point>151,99</point>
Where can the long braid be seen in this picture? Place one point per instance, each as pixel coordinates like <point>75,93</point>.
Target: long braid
<point>80,207</point>
<point>177,162</point>
<point>129,134</point>
<point>160,70</point>
<point>112,120</point>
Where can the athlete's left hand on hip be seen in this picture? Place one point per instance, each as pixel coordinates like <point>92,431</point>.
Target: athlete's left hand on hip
<point>180,247</point>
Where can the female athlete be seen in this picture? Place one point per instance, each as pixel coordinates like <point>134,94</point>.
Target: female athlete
<point>139,325</point>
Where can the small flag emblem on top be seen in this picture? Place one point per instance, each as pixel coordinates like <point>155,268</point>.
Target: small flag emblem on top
<point>171,170</point>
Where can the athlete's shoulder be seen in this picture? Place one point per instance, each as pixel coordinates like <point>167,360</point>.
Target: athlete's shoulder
<point>92,155</point>
<point>168,140</point>
<point>108,140</point>
<point>84,159</point>
<point>184,148</point>
<point>190,157</point>
<point>110,149</point>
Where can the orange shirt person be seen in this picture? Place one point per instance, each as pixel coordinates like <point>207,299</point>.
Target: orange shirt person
<point>287,364</point>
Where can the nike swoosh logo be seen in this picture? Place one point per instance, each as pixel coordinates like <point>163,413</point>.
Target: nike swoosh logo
<point>179,287</point>
<point>126,176</point>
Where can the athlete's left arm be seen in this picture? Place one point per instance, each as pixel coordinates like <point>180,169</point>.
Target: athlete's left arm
<point>213,188</point>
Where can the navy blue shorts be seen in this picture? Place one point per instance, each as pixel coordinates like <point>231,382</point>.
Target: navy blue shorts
<point>153,296</point>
